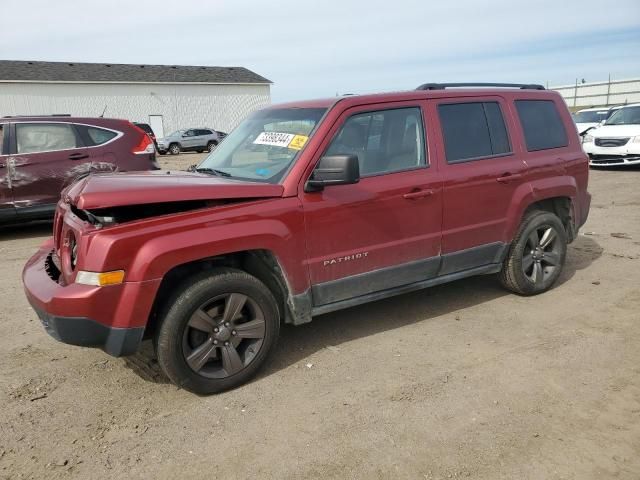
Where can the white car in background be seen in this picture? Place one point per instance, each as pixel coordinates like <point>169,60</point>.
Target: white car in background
<point>617,141</point>
<point>592,117</point>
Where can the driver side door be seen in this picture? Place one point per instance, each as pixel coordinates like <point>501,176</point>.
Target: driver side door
<point>384,231</point>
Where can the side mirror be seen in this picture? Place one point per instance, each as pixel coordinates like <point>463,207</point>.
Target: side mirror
<point>334,170</point>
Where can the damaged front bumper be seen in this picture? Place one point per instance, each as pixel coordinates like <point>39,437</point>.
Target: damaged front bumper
<point>84,315</point>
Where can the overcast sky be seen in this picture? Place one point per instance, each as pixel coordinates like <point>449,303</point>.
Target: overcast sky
<point>320,48</point>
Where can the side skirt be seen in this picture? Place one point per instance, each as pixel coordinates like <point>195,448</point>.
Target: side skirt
<point>351,302</point>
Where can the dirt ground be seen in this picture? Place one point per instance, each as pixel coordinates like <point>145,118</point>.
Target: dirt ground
<point>460,381</point>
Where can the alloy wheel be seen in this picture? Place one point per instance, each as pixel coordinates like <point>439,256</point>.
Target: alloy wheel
<point>224,335</point>
<point>542,254</point>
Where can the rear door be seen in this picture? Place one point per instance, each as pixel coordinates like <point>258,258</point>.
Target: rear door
<point>384,231</point>
<point>46,157</point>
<point>102,150</point>
<point>481,172</point>
<point>7,211</point>
<point>202,137</point>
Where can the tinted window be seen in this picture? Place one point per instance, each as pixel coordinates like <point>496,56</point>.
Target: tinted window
<point>205,132</point>
<point>44,137</point>
<point>473,130</point>
<point>542,125</point>
<point>99,136</point>
<point>384,141</point>
<point>92,136</point>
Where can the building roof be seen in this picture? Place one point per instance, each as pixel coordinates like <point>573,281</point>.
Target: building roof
<point>33,71</point>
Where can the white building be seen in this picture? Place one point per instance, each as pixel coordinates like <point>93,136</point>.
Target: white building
<point>168,97</point>
<point>600,94</point>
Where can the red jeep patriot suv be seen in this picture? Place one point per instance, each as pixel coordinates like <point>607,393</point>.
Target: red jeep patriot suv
<point>307,208</point>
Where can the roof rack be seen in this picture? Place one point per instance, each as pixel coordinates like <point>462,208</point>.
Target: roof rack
<point>34,116</point>
<point>442,86</point>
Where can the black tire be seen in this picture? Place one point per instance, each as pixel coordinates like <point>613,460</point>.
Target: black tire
<point>174,149</point>
<point>535,259</point>
<point>199,151</point>
<point>162,152</point>
<point>211,145</point>
<point>182,347</point>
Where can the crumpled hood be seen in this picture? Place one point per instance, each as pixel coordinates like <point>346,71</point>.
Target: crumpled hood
<point>139,188</point>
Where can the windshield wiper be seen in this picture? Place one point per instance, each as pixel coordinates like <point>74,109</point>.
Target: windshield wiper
<point>213,171</point>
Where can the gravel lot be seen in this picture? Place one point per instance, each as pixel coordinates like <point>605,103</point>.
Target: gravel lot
<point>459,381</point>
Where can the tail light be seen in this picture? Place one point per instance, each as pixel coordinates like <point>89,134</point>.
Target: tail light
<point>145,145</point>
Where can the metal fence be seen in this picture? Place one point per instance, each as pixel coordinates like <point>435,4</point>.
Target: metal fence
<point>599,94</point>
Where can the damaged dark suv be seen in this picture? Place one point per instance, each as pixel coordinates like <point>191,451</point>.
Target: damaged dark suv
<point>39,156</point>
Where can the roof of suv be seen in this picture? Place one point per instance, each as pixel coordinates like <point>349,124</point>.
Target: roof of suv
<point>413,95</point>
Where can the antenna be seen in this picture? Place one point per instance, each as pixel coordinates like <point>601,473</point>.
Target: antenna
<point>102,114</point>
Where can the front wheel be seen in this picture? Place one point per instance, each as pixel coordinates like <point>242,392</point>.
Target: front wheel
<point>174,149</point>
<point>536,256</point>
<point>217,331</point>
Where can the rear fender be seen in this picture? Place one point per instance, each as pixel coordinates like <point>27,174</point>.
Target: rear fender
<point>537,191</point>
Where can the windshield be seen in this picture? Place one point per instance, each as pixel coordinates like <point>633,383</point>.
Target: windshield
<point>625,116</point>
<point>593,116</point>
<point>263,146</point>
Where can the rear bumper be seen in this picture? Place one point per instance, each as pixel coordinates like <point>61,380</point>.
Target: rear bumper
<point>112,318</point>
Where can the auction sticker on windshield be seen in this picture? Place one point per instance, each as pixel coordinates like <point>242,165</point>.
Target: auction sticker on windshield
<point>298,142</point>
<point>274,139</point>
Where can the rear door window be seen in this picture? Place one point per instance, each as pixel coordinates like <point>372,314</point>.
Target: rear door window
<point>542,125</point>
<point>473,131</point>
<point>45,137</point>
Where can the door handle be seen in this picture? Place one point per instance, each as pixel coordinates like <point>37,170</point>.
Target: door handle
<point>418,194</point>
<point>509,177</point>
<point>78,156</point>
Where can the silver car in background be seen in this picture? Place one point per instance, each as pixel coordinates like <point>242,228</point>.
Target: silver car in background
<point>190,140</point>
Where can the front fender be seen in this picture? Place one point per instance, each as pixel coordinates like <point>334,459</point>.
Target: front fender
<point>148,249</point>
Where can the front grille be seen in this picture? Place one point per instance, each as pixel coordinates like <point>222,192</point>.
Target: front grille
<point>611,142</point>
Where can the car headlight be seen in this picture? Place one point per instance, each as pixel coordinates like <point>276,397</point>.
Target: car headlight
<point>587,139</point>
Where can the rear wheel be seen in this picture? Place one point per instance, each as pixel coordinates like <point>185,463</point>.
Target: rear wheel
<point>536,256</point>
<point>174,149</point>
<point>217,331</point>
<point>211,145</point>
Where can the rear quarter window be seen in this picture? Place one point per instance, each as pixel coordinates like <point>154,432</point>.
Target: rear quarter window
<point>93,136</point>
<point>542,125</point>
